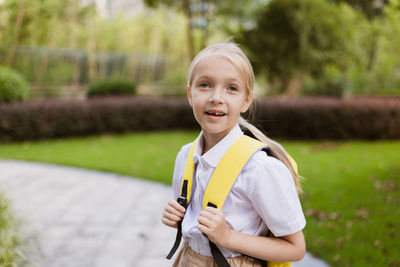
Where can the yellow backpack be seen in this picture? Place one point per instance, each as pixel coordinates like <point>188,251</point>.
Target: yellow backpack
<point>219,186</point>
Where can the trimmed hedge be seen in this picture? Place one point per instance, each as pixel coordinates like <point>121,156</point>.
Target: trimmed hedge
<point>331,118</point>
<point>61,118</point>
<point>306,118</point>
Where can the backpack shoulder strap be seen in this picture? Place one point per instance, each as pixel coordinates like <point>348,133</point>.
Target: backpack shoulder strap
<point>184,197</point>
<point>228,170</point>
<point>187,179</point>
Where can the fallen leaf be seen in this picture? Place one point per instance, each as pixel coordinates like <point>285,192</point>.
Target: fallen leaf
<point>362,214</point>
<point>377,243</point>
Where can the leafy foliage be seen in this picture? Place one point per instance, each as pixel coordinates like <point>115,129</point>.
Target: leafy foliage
<point>330,82</point>
<point>371,8</point>
<point>13,86</point>
<point>112,86</point>
<point>49,58</point>
<point>326,46</point>
<point>295,37</point>
<point>383,77</point>
<point>40,20</point>
<point>10,246</point>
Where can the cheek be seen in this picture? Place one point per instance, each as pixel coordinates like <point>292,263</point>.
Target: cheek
<point>244,108</point>
<point>246,104</point>
<point>196,105</point>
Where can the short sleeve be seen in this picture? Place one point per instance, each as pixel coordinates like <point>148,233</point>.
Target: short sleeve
<point>273,194</point>
<point>180,162</point>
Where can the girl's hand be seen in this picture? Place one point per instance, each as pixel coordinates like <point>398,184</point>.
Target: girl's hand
<point>172,214</point>
<point>212,223</point>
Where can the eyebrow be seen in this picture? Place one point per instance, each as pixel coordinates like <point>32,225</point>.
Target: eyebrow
<point>203,77</point>
<point>206,77</point>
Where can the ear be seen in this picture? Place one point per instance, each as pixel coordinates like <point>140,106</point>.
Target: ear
<point>247,102</point>
<point>188,95</point>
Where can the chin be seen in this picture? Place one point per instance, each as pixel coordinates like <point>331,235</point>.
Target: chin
<point>214,130</point>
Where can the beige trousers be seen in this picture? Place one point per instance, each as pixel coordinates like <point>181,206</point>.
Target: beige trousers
<point>188,258</point>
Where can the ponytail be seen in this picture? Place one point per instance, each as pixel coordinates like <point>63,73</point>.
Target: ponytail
<point>276,149</point>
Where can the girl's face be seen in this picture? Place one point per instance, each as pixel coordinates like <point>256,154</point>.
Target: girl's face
<point>217,95</point>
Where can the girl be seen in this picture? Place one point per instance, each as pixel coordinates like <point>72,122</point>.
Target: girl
<point>263,197</point>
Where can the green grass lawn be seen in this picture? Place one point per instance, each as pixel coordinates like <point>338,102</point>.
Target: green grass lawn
<point>351,198</point>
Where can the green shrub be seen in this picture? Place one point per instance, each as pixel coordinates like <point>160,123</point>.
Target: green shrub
<point>112,86</point>
<point>331,82</point>
<point>10,251</point>
<point>13,86</point>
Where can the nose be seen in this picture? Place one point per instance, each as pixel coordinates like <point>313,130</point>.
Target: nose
<point>216,96</point>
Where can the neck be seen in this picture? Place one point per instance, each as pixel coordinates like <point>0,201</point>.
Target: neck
<point>211,140</point>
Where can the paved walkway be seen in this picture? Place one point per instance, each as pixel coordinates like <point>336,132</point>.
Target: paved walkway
<point>83,218</point>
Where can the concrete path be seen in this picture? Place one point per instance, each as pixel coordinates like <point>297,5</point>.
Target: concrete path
<point>83,218</point>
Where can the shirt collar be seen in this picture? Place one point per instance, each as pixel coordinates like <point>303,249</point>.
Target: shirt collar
<point>214,155</point>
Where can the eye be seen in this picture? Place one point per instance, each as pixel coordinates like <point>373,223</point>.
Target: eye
<point>204,84</point>
<point>233,88</point>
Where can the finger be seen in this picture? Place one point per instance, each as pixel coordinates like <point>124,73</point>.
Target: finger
<point>168,222</point>
<point>203,229</point>
<point>176,205</point>
<point>210,215</point>
<point>212,210</point>
<point>174,211</point>
<point>206,215</point>
<point>205,222</point>
<point>172,217</point>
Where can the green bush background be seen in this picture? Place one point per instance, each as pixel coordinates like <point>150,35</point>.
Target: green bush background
<point>112,86</point>
<point>13,86</point>
<point>10,242</point>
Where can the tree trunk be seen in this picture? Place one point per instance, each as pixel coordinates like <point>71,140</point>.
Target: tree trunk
<point>294,85</point>
<point>372,51</point>
<point>18,23</point>
<point>189,33</point>
<point>73,24</point>
<point>205,30</point>
<point>91,52</point>
<point>44,62</point>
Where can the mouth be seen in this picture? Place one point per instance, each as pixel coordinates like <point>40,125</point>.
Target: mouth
<point>215,113</point>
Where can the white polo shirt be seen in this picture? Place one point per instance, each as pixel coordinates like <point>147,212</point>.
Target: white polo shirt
<point>263,196</point>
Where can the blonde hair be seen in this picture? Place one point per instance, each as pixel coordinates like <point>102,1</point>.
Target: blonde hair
<point>235,55</point>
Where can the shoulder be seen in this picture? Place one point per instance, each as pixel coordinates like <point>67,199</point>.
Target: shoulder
<point>272,192</point>
<point>261,162</point>
<point>179,168</point>
<point>184,151</point>
<point>262,169</point>
<point>181,157</point>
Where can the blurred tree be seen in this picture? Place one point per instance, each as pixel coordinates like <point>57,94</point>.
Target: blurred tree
<point>227,15</point>
<point>384,76</point>
<point>292,38</point>
<point>372,9</point>
<point>17,28</point>
<point>236,15</point>
<point>29,22</point>
<point>185,6</point>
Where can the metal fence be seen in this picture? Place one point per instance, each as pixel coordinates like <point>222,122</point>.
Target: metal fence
<point>67,73</point>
